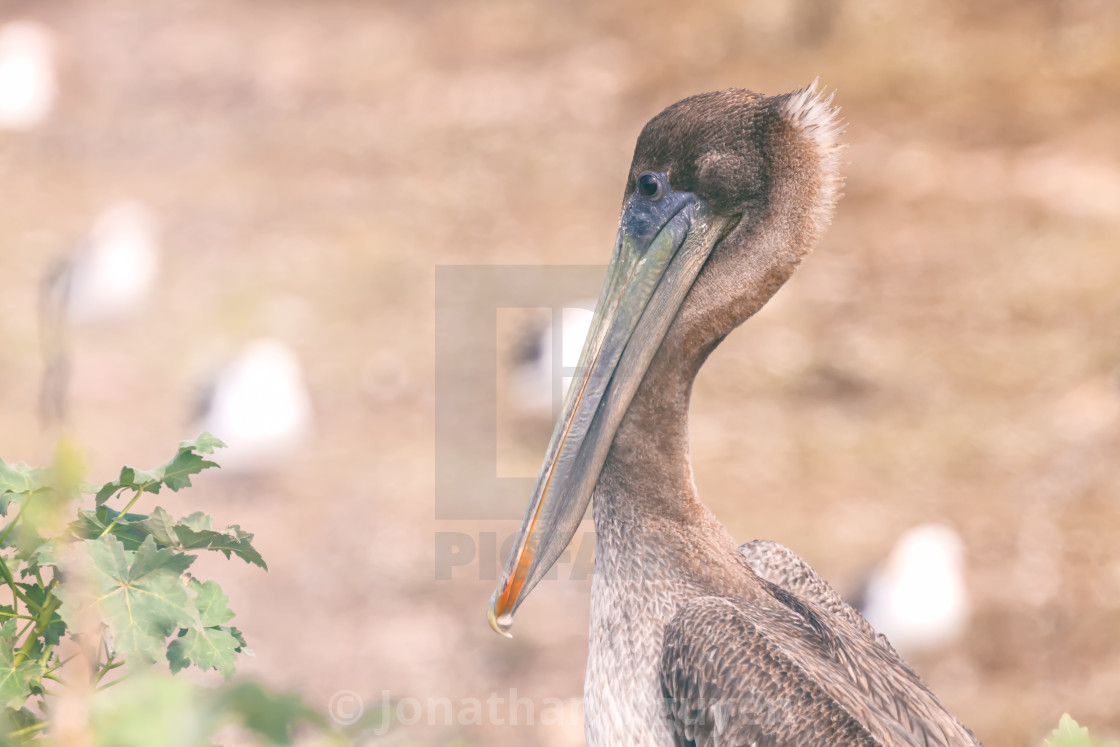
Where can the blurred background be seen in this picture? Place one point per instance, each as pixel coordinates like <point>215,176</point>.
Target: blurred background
<point>229,214</point>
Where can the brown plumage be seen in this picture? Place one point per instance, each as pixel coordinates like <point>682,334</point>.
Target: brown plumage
<point>695,641</point>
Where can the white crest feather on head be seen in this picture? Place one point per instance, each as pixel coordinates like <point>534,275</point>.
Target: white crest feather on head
<point>811,112</point>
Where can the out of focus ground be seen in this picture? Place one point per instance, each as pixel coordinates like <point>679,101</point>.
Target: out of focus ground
<point>949,352</point>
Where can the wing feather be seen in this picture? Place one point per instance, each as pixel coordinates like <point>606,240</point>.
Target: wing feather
<point>806,669</point>
<point>751,693</point>
<point>783,567</point>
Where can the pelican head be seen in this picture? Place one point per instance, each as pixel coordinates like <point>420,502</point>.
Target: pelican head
<point>726,192</point>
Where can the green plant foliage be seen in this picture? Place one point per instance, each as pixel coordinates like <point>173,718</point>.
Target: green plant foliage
<point>16,677</point>
<point>175,474</point>
<point>1070,734</point>
<point>208,644</point>
<point>127,598</point>
<point>148,709</point>
<point>108,588</point>
<point>139,595</point>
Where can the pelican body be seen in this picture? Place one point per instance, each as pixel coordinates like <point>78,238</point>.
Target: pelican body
<point>696,641</point>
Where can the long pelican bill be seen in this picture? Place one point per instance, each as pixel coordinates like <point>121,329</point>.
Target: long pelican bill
<point>664,238</point>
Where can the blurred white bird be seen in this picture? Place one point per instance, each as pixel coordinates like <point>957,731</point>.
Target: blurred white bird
<point>534,378</point>
<point>110,275</point>
<point>917,598</point>
<point>27,77</point>
<point>259,406</point>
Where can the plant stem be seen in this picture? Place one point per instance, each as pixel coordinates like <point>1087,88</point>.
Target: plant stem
<point>46,655</point>
<point>27,730</point>
<point>26,627</point>
<point>60,664</point>
<point>107,685</point>
<point>10,580</point>
<point>109,667</point>
<point>19,514</point>
<point>42,621</point>
<point>16,615</point>
<point>124,510</point>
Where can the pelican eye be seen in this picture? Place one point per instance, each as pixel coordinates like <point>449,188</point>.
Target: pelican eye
<point>650,187</point>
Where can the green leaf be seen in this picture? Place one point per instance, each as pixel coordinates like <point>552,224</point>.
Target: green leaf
<point>194,533</point>
<point>139,595</point>
<point>45,555</point>
<point>130,479</point>
<point>211,602</point>
<point>146,710</point>
<point>149,709</point>
<point>190,533</point>
<point>232,541</point>
<point>205,444</point>
<point>206,648</point>
<point>128,529</point>
<point>161,526</point>
<point>25,538</point>
<point>12,719</point>
<point>20,478</point>
<point>1070,734</point>
<point>208,645</point>
<point>242,646</point>
<point>140,479</point>
<point>16,680</point>
<point>88,525</point>
<point>107,491</point>
<point>198,521</point>
<point>149,559</point>
<point>269,714</point>
<point>18,481</point>
<point>55,627</point>
<point>175,474</point>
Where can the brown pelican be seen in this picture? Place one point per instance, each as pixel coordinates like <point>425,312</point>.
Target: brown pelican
<point>695,641</point>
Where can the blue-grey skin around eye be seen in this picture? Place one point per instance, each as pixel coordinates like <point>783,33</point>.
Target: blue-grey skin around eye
<point>644,217</point>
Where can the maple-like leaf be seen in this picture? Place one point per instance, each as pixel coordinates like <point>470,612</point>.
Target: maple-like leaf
<point>208,645</point>
<point>138,594</point>
<point>194,533</point>
<point>15,679</point>
<point>206,648</point>
<point>211,602</point>
<point>232,541</point>
<point>175,473</point>
<point>20,478</point>
<point>17,481</point>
